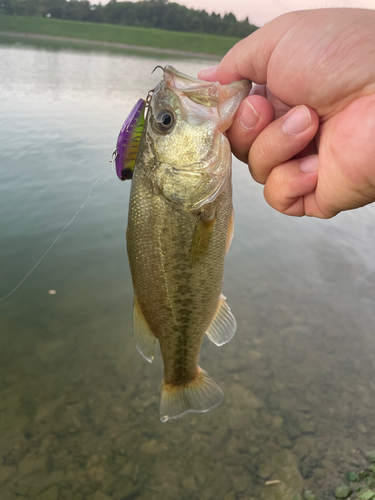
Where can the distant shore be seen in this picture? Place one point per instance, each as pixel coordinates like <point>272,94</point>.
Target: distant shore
<point>124,46</point>
<point>116,37</point>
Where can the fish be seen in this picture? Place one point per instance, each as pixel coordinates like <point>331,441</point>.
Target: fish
<point>180,226</point>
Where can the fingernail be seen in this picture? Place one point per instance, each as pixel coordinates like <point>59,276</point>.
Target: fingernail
<point>297,120</point>
<point>309,164</point>
<point>249,117</point>
<point>207,71</point>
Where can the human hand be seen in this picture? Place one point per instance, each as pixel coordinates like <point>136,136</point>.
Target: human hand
<point>308,130</point>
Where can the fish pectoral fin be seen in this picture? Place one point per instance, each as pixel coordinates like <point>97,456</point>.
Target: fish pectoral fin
<point>144,338</point>
<point>201,394</point>
<point>202,236</point>
<point>223,326</point>
<point>230,232</point>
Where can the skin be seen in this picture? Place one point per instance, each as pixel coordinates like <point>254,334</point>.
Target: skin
<point>316,68</point>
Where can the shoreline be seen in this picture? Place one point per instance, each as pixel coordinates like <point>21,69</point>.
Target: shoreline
<point>115,45</point>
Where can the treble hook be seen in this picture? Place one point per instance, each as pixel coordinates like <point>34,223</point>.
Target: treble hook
<point>156,67</point>
<point>151,92</point>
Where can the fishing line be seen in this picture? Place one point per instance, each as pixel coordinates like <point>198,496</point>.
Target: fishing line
<point>55,240</point>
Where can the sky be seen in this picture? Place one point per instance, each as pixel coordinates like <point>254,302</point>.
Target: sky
<point>262,11</point>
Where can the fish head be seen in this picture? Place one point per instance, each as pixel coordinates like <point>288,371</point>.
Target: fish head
<point>186,152</point>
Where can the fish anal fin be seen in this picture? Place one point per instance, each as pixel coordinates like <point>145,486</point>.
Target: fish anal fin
<point>223,326</point>
<point>230,232</point>
<point>144,338</point>
<point>199,395</point>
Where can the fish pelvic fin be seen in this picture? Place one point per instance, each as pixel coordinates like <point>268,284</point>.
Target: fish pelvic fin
<point>200,395</point>
<point>223,326</point>
<point>230,232</point>
<point>145,340</point>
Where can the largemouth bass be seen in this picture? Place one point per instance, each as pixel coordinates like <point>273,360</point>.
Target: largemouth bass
<point>180,225</point>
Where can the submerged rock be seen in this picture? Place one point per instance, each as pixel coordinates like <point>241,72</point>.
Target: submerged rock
<point>366,495</point>
<point>123,487</point>
<point>152,447</point>
<point>30,465</point>
<point>310,496</point>
<point>190,483</point>
<point>5,473</point>
<point>51,494</point>
<point>284,442</point>
<point>265,470</point>
<point>286,471</point>
<point>307,427</point>
<point>352,477</point>
<point>343,491</point>
<point>99,495</point>
<point>241,483</point>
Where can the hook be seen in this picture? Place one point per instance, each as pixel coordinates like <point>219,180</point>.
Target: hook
<point>156,67</point>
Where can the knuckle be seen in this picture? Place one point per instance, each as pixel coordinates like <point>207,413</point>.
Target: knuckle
<point>272,195</point>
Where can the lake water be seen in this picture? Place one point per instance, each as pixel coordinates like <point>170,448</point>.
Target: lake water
<point>79,416</point>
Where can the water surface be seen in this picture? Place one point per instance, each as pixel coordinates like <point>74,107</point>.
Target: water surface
<point>78,404</point>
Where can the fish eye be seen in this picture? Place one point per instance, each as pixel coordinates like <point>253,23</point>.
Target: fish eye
<point>164,120</point>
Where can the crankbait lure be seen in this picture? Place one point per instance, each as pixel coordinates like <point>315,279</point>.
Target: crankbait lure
<point>128,141</point>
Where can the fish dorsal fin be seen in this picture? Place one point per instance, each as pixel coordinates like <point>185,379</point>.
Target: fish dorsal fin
<point>230,232</point>
<point>201,394</point>
<point>145,340</point>
<point>223,326</point>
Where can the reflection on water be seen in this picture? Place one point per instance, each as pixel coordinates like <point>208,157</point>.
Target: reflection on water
<point>78,404</point>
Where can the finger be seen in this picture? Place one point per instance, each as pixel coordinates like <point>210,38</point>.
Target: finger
<point>309,150</point>
<point>250,57</point>
<point>281,140</point>
<point>254,114</point>
<point>290,184</point>
<point>280,107</point>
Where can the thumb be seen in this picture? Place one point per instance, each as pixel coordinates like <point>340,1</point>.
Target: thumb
<point>250,57</point>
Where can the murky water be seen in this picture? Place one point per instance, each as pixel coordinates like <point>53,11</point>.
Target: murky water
<point>78,404</point>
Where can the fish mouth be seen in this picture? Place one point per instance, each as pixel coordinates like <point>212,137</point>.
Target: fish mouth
<point>226,98</point>
<point>179,81</point>
<point>184,81</point>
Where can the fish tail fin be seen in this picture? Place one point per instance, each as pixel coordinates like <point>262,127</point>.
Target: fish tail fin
<point>201,394</point>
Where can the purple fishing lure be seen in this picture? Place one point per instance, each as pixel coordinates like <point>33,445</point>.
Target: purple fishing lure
<point>128,141</point>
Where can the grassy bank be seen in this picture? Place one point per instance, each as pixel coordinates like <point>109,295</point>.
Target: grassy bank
<point>144,37</point>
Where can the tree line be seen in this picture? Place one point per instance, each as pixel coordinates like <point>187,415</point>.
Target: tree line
<point>145,13</point>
